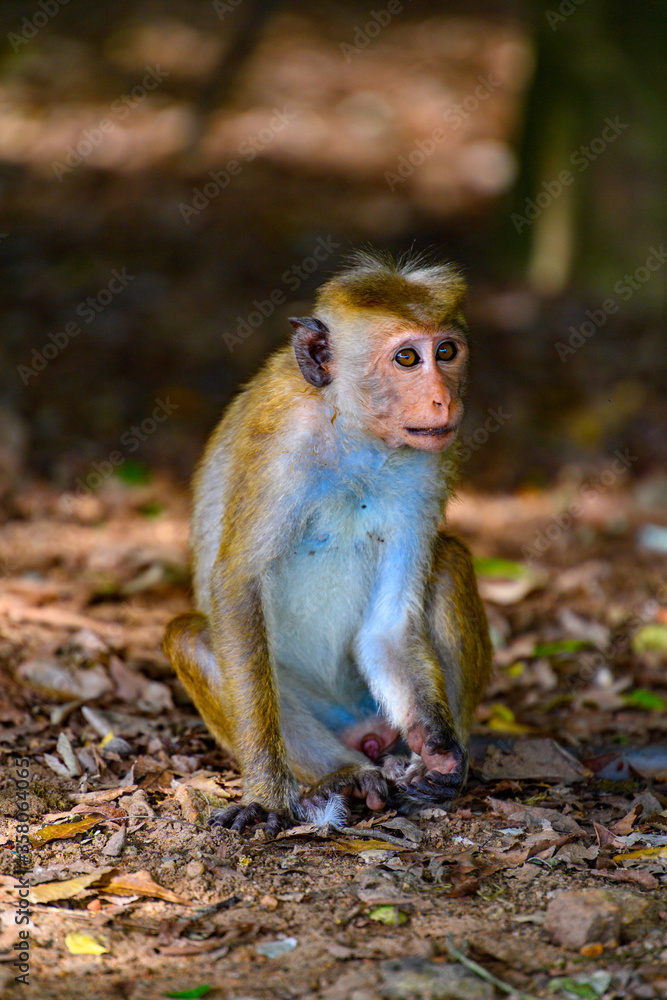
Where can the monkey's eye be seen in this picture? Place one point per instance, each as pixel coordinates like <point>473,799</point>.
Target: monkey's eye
<point>446,351</point>
<point>407,357</point>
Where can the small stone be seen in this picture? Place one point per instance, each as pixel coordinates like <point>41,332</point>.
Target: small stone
<point>270,902</point>
<point>575,918</point>
<point>115,844</point>
<point>194,869</point>
<point>272,949</point>
<point>408,978</point>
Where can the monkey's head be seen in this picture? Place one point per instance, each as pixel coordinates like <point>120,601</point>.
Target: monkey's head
<point>387,348</point>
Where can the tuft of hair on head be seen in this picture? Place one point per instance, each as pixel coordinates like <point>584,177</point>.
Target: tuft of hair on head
<point>410,288</point>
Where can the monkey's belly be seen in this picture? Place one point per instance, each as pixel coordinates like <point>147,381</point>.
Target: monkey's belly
<point>315,600</point>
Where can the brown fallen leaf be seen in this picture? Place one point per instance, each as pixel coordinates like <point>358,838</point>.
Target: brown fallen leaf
<point>141,883</point>
<point>106,795</point>
<point>353,846</point>
<point>624,826</point>
<point>63,831</point>
<point>631,876</point>
<point>49,892</point>
<point>210,784</point>
<point>605,837</point>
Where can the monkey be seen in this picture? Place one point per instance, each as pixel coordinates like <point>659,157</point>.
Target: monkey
<point>340,646</point>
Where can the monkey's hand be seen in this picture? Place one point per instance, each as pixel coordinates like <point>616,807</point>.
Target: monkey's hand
<point>438,777</point>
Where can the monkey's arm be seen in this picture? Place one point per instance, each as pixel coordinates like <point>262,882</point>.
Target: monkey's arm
<point>404,673</point>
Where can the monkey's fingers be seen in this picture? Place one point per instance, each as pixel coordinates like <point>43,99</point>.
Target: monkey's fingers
<point>439,787</point>
<point>238,817</point>
<point>275,822</point>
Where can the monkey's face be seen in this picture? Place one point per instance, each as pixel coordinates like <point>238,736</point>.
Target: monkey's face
<point>415,384</point>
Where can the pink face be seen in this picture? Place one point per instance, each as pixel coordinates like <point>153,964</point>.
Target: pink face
<point>415,386</point>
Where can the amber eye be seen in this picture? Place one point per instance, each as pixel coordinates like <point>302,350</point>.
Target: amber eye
<point>407,357</point>
<point>446,351</point>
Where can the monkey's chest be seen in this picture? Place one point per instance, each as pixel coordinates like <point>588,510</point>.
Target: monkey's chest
<point>318,592</point>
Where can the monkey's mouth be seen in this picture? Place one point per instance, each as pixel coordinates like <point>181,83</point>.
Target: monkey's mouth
<point>432,431</point>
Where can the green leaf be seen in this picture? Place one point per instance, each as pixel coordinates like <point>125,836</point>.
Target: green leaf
<point>198,991</point>
<point>134,473</point>
<point>650,639</point>
<point>565,646</point>
<point>570,988</point>
<point>645,699</point>
<point>503,568</point>
<point>389,915</point>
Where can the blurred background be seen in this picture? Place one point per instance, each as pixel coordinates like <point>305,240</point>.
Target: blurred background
<point>178,178</point>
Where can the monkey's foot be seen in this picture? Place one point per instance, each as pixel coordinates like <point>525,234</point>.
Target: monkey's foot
<point>239,817</point>
<point>438,777</point>
<point>360,782</point>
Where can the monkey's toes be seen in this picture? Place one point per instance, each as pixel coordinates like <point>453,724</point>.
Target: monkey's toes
<point>239,817</point>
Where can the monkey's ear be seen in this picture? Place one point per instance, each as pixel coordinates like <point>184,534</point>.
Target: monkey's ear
<point>311,346</point>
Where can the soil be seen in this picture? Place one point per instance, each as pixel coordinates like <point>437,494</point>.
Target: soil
<point>569,776</point>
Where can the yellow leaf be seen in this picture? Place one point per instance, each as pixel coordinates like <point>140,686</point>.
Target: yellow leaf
<point>48,892</point>
<point>502,720</point>
<point>107,739</point>
<point>389,915</point>
<point>83,944</point>
<point>63,831</point>
<point>357,846</point>
<point>499,726</point>
<point>646,852</point>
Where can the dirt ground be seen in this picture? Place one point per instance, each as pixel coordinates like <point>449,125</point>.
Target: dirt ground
<point>549,873</point>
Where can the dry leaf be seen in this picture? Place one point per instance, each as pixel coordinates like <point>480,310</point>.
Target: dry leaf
<point>63,831</point>
<point>645,852</point>
<point>624,826</point>
<point>83,944</point>
<point>142,883</point>
<point>353,846</point>
<point>209,784</point>
<point>106,795</point>
<point>49,892</point>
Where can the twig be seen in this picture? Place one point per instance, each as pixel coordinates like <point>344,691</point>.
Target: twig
<point>376,834</point>
<point>480,971</point>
